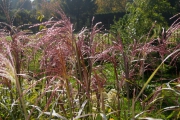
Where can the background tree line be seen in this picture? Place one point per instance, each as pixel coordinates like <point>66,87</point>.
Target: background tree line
<point>81,12</point>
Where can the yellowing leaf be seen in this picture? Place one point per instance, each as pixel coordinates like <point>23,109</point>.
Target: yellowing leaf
<point>109,110</point>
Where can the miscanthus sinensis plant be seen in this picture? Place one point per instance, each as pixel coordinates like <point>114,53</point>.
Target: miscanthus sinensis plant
<point>11,59</point>
<point>59,74</point>
<point>69,59</point>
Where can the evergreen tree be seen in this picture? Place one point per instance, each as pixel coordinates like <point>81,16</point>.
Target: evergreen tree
<point>80,11</point>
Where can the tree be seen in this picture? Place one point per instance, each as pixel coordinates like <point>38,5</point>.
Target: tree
<point>14,4</point>
<point>111,6</point>
<point>80,11</point>
<point>11,8</point>
<point>175,3</point>
<point>26,4</point>
<point>2,17</point>
<point>37,4</point>
<point>140,17</point>
<point>6,9</point>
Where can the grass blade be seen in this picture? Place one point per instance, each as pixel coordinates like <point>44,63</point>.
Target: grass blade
<point>149,79</point>
<point>152,75</point>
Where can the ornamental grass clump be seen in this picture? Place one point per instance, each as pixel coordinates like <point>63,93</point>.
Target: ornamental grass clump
<point>74,62</point>
<point>59,74</point>
<point>166,51</point>
<point>9,77</point>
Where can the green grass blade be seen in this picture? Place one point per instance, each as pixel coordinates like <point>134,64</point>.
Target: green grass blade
<point>152,75</point>
<point>147,82</point>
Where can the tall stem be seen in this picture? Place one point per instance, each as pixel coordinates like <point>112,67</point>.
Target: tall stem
<point>21,98</point>
<point>126,68</point>
<point>118,89</point>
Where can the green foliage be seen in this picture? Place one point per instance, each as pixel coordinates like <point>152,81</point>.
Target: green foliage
<point>109,6</point>
<point>141,16</point>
